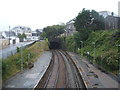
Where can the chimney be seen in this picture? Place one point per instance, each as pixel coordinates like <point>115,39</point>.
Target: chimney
<point>112,13</point>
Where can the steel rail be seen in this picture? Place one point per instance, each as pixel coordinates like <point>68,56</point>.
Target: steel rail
<point>77,75</point>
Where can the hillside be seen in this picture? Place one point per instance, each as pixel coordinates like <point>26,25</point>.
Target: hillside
<point>100,48</point>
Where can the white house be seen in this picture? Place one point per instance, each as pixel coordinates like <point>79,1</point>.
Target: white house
<point>35,36</point>
<point>23,29</point>
<point>11,36</point>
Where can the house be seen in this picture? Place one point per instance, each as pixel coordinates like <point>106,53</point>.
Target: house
<point>111,20</point>
<point>35,36</point>
<point>23,29</point>
<point>11,36</point>
<point>70,28</point>
<point>104,13</point>
<point>3,42</point>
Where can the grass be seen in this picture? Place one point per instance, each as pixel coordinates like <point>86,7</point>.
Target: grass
<point>12,64</point>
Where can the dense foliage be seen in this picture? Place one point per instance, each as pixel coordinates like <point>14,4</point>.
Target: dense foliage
<point>53,31</point>
<point>105,51</point>
<point>88,21</point>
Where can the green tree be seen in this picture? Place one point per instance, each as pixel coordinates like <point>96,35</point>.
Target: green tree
<point>21,37</point>
<point>88,21</point>
<point>53,31</point>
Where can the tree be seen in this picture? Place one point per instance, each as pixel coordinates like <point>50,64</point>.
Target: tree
<point>53,31</point>
<point>88,21</point>
<point>21,37</point>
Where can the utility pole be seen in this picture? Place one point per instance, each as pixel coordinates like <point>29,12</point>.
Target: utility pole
<point>81,47</point>
<point>21,58</point>
<point>101,61</point>
<point>28,57</point>
<point>9,35</point>
<point>94,52</point>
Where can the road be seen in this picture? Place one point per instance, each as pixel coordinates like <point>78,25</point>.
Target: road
<point>12,49</point>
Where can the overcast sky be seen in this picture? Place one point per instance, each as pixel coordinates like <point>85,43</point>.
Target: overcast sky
<point>42,13</point>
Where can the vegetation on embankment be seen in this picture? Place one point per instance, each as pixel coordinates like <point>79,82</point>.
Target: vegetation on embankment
<point>12,64</point>
<point>101,46</point>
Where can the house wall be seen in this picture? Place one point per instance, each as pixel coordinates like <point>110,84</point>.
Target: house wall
<point>70,29</point>
<point>111,22</point>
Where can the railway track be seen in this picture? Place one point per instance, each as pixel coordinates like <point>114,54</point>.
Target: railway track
<point>61,73</point>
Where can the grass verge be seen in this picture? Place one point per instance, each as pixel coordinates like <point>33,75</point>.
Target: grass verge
<point>12,64</point>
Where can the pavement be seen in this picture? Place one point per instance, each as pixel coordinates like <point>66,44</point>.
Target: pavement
<point>29,78</point>
<point>92,76</point>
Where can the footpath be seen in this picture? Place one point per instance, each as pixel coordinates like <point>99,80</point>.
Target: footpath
<point>29,78</point>
<point>92,76</point>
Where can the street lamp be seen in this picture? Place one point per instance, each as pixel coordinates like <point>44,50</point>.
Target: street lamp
<point>81,47</point>
<point>94,52</point>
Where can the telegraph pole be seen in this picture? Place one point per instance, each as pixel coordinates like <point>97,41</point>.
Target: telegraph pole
<point>9,35</point>
<point>81,47</point>
<point>94,52</point>
<point>21,59</point>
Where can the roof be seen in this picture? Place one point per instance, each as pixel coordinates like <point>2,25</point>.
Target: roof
<point>22,28</point>
<point>10,33</point>
<point>106,13</point>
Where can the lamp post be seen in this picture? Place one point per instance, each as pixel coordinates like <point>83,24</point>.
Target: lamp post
<point>94,52</point>
<point>81,47</point>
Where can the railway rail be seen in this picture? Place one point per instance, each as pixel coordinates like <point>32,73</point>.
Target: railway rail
<point>61,73</point>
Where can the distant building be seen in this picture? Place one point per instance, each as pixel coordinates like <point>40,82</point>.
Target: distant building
<point>3,42</point>
<point>23,29</point>
<point>104,13</point>
<point>11,36</point>
<point>111,20</point>
<point>39,32</point>
<point>70,28</point>
<point>35,36</point>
